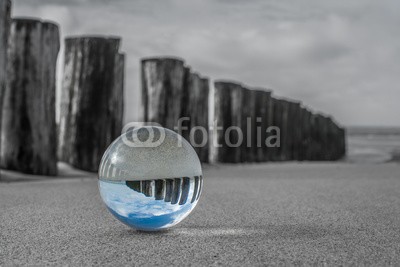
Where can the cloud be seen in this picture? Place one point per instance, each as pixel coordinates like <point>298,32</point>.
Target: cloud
<point>339,57</point>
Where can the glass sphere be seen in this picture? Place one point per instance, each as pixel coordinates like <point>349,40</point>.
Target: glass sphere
<point>150,178</point>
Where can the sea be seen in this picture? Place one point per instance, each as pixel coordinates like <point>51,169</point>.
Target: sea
<point>373,144</point>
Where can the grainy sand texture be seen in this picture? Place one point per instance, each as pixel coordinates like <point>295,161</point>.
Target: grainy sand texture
<point>288,213</point>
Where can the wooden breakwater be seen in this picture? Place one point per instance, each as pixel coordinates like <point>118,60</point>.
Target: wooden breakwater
<point>92,99</point>
<point>5,22</point>
<point>92,106</point>
<point>254,126</point>
<point>28,114</point>
<point>302,134</point>
<point>173,95</point>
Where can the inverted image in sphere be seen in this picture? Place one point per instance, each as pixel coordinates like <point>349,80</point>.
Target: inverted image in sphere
<point>150,178</point>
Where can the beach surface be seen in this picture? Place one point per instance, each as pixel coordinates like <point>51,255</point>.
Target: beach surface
<point>280,213</point>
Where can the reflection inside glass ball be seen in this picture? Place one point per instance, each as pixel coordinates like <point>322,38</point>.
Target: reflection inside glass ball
<point>150,178</point>
<point>151,204</point>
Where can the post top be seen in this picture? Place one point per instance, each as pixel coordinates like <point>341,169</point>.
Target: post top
<point>163,58</point>
<point>262,90</point>
<point>93,37</point>
<point>33,20</point>
<point>228,82</point>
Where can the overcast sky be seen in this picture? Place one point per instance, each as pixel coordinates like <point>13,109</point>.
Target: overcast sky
<point>340,57</point>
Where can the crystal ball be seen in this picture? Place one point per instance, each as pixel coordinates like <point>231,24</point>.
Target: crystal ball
<point>150,178</point>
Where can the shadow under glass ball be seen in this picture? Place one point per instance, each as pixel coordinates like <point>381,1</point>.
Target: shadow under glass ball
<point>132,183</point>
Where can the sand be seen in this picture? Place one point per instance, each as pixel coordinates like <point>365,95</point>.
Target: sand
<point>289,213</point>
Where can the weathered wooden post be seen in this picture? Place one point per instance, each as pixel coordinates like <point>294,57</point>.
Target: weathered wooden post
<point>274,152</point>
<point>331,140</point>
<point>342,142</point>
<point>290,131</point>
<point>263,114</point>
<point>163,81</point>
<point>248,125</point>
<point>92,99</point>
<point>322,137</point>
<point>195,108</point>
<point>295,130</point>
<point>222,120</point>
<point>281,120</point>
<point>204,153</point>
<point>335,141</point>
<point>177,98</point>
<point>314,142</point>
<point>28,121</point>
<point>228,116</point>
<point>305,143</point>
<point>235,138</point>
<point>5,22</point>
<point>117,102</point>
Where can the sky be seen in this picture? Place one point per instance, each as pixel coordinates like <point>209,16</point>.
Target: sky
<point>338,57</point>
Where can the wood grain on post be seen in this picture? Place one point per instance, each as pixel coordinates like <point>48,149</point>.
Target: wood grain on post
<point>5,22</point>
<point>281,118</point>
<point>274,152</point>
<point>305,142</point>
<point>322,137</point>
<point>342,142</point>
<point>331,144</point>
<point>163,81</point>
<point>313,145</point>
<point>263,115</point>
<point>236,135</point>
<point>117,102</point>
<point>222,119</point>
<point>177,98</point>
<point>28,120</point>
<point>248,125</point>
<point>228,116</point>
<point>336,141</point>
<point>303,135</point>
<point>296,130</point>
<point>195,108</point>
<point>91,100</point>
<point>291,131</point>
<point>204,153</point>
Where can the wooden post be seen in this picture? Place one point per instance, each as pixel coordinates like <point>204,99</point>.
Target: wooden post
<point>28,119</point>
<point>291,131</point>
<point>305,142</point>
<point>342,142</point>
<point>236,135</point>
<point>331,141</point>
<point>228,116</point>
<point>322,137</point>
<point>263,117</point>
<point>335,141</point>
<point>274,152</point>
<point>118,98</point>
<point>281,120</point>
<point>313,146</point>
<point>195,108</point>
<point>5,22</point>
<point>222,119</point>
<point>295,130</point>
<point>248,125</point>
<point>177,98</point>
<point>163,82</point>
<point>91,100</point>
<point>204,153</point>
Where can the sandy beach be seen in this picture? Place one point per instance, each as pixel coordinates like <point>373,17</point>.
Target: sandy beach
<point>286,213</point>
